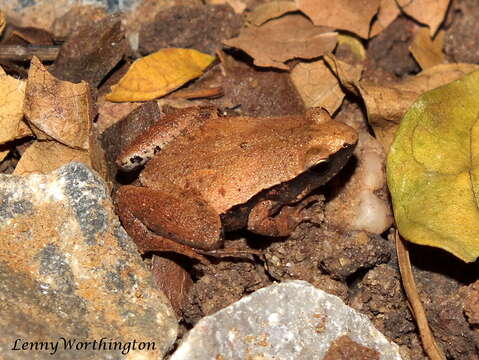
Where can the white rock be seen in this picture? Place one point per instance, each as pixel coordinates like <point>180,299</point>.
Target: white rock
<point>290,320</point>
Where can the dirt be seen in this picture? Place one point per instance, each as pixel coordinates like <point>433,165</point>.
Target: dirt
<point>358,267</point>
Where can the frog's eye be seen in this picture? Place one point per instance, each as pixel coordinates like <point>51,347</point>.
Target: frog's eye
<point>322,168</point>
<point>314,156</point>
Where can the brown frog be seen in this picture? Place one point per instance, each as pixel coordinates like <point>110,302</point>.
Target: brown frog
<point>210,173</point>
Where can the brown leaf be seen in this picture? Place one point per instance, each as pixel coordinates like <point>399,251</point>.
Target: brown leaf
<point>387,104</point>
<point>57,109</point>
<point>429,12</point>
<point>91,52</point>
<point>279,40</point>
<point>388,12</point>
<point>45,156</point>
<point>78,16</point>
<point>238,5</point>
<point>3,22</point>
<point>12,94</point>
<point>351,15</point>
<point>426,51</point>
<point>271,10</point>
<point>110,113</point>
<point>318,86</point>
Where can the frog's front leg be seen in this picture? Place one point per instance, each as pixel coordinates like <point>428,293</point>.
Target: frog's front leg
<point>272,218</point>
<point>158,221</point>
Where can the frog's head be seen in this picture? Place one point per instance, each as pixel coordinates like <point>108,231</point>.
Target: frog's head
<point>330,144</point>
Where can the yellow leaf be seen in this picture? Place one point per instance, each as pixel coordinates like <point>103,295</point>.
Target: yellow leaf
<point>433,169</point>
<point>158,74</point>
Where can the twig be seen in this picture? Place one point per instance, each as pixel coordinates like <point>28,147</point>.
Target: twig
<point>430,346</point>
<point>24,53</point>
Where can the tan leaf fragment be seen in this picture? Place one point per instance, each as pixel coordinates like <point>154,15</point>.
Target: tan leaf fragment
<point>428,12</point>
<point>158,74</point>
<point>3,21</point>
<point>388,12</point>
<point>3,154</point>
<point>351,15</point>
<point>426,51</point>
<point>279,40</point>
<point>58,109</point>
<point>318,86</point>
<point>271,10</point>
<point>12,95</point>
<point>45,156</point>
<point>109,113</point>
<point>238,5</point>
<point>387,104</point>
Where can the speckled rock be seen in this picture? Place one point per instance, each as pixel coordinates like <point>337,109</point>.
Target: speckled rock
<point>291,320</point>
<point>69,274</point>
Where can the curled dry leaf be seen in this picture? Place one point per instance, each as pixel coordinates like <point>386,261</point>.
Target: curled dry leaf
<point>388,12</point>
<point>433,169</point>
<point>57,109</point>
<point>271,10</point>
<point>158,74</point>
<point>279,40</point>
<point>428,12</point>
<point>351,15</point>
<point>45,156</point>
<point>318,86</point>
<point>426,51</point>
<point>12,94</point>
<point>387,104</point>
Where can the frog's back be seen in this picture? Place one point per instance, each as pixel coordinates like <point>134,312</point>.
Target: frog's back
<point>231,159</point>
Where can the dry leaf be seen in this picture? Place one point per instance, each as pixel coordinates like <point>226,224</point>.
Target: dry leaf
<point>354,44</point>
<point>279,40</point>
<point>387,104</point>
<point>388,12</point>
<point>12,94</point>
<point>3,154</point>
<point>428,12</point>
<point>351,15</point>
<point>57,109</point>
<point>110,113</point>
<point>3,21</point>
<point>318,86</point>
<point>37,14</point>
<point>238,5</point>
<point>158,74</point>
<point>45,156</point>
<point>91,52</point>
<point>433,169</point>
<point>426,51</point>
<point>271,10</point>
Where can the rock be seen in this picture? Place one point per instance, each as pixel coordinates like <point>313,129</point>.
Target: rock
<point>291,320</point>
<point>70,274</point>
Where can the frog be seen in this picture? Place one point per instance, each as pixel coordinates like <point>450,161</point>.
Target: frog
<point>205,174</point>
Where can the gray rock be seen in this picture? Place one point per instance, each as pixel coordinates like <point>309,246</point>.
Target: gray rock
<point>70,274</point>
<point>291,320</point>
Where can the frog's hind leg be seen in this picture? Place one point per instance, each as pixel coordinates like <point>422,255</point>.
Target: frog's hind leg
<point>169,223</point>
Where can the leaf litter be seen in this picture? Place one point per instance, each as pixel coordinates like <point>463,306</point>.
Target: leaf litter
<point>292,42</point>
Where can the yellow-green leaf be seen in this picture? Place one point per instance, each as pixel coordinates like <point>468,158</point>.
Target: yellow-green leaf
<point>433,169</point>
<point>158,74</point>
